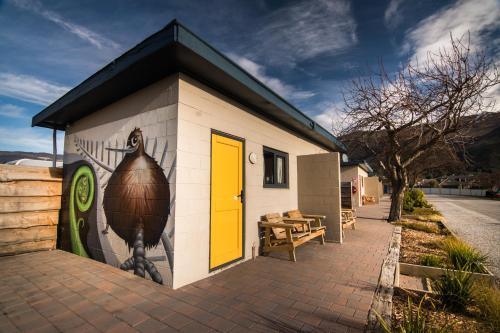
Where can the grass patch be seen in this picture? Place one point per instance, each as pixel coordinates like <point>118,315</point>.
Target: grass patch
<point>434,244</point>
<point>424,214</point>
<point>454,289</point>
<point>431,260</point>
<point>414,321</point>
<point>426,211</point>
<point>462,255</point>
<point>488,300</point>
<point>428,218</point>
<point>433,229</point>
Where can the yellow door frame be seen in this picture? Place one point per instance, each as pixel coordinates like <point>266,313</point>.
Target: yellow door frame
<point>243,200</point>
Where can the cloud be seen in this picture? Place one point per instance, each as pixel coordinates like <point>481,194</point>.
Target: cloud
<point>331,117</point>
<point>393,16</point>
<point>82,32</point>
<point>307,29</point>
<point>28,139</point>
<point>281,88</point>
<point>30,89</point>
<point>12,111</point>
<point>479,18</point>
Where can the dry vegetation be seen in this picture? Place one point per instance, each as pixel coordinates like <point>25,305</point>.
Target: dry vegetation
<point>467,321</point>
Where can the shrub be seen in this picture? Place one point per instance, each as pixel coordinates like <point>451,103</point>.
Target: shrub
<point>488,300</point>
<point>431,260</point>
<point>454,289</point>
<point>433,183</point>
<point>413,321</point>
<point>418,198</point>
<point>461,254</point>
<point>414,198</point>
<point>408,204</point>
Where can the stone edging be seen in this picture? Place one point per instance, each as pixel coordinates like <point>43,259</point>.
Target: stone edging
<point>382,300</point>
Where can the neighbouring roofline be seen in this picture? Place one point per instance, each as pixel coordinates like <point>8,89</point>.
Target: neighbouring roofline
<point>172,50</point>
<point>361,164</point>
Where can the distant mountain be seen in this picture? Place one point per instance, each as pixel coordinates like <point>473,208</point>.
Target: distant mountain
<point>7,156</point>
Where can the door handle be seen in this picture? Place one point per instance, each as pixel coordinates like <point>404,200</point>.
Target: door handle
<point>241,196</point>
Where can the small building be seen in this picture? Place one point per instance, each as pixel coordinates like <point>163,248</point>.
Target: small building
<point>374,188</point>
<point>356,172</point>
<point>173,153</point>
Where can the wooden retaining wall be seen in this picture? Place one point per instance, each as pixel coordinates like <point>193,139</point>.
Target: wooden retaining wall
<point>30,199</point>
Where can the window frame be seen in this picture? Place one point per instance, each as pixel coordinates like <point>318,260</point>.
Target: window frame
<point>276,153</point>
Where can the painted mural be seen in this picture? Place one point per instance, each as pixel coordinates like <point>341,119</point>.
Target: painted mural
<point>118,201</point>
<point>80,234</point>
<point>137,204</point>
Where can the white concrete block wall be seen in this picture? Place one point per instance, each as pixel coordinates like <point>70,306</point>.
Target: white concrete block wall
<point>200,110</point>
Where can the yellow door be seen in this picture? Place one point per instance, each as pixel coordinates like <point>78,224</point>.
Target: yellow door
<point>226,211</point>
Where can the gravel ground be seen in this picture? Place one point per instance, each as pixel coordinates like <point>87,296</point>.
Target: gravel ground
<point>475,220</point>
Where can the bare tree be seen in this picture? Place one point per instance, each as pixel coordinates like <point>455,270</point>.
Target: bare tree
<point>398,118</point>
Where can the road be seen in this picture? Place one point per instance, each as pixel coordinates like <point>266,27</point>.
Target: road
<point>475,220</point>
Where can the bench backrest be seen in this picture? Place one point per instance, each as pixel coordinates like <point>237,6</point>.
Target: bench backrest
<point>294,214</point>
<point>279,233</point>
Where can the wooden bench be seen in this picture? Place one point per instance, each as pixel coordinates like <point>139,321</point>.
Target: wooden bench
<point>316,223</point>
<point>348,219</point>
<point>368,199</point>
<point>285,234</point>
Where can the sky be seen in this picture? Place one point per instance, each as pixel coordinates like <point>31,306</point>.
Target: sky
<point>307,51</point>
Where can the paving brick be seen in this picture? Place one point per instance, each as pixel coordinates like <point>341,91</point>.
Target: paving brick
<point>221,324</point>
<point>330,326</point>
<point>84,329</point>
<point>195,327</point>
<point>6,325</point>
<point>105,321</point>
<point>159,312</point>
<point>176,320</point>
<point>304,307</point>
<point>150,325</point>
<point>66,321</point>
<point>132,316</point>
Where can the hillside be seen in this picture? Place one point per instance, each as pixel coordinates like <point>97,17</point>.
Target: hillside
<point>484,152</point>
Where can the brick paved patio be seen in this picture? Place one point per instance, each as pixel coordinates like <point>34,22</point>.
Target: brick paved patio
<point>328,289</point>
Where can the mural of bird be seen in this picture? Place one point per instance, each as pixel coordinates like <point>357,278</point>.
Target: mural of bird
<point>137,204</point>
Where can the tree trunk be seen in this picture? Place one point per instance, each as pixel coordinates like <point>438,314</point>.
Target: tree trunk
<point>399,184</point>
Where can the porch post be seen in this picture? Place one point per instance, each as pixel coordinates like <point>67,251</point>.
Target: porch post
<point>54,147</point>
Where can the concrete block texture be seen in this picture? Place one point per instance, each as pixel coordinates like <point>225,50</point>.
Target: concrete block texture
<point>318,179</point>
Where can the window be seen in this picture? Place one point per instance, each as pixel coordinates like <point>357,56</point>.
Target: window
<point>275,168</point>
